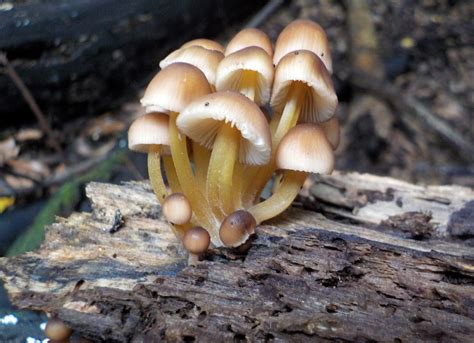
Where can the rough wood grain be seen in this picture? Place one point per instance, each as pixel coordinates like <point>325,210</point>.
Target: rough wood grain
<point>339,275</point>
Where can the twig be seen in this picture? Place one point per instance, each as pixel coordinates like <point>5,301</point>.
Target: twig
<point>265,12</point>
<point>43,123</point>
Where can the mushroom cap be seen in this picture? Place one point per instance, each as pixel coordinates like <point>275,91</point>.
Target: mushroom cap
<point>204,43</point>
<point>196,240</point>
<point>174,87</point>
<point>332,130</point>
<point>249,37</point>
<point>177,209</point>
<point>202,119</point>
<point>57,330</point>
<point>320,99</point>
<point>231,68</point>
<point>148,132</point>
<point>303,35</point>
<point>237,228</point>
<point>202,58</point>
<point>305,148</point>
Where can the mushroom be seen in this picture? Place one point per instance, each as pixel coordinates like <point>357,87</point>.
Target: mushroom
<point>57,330</point>
<point>236,228</point>
<point>305,149</point>
<point>196,241</point>
<point>204,43</point>
<point>177,209</point>
<point>249,37</point>
<point>170,91</point>
<point>235,128</point>
<point>303,35</point>
<point>332,130</point>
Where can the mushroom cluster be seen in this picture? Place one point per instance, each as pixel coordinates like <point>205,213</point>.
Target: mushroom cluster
<point>222,122</point>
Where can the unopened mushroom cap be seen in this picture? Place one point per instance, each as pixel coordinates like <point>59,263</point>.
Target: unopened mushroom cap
<point>174,87</point>
<point>148,132</point>
<point>232,67</point>
<point>303,35</point>
<point>249,37</point>
<point>57,330</point>
<point>205,43</point>
<point>332,130</point>
<point>305,148</point>
<point>196,240</point>
<point>320,99</point>
<point>177,209</point>
<point>202,119</point>
<point>237,228</point>
<point>202,58</point>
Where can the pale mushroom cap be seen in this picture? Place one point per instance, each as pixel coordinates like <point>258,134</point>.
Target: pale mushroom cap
<point>57,330</point>
<point>149,131</point>
<point>305,148</point>
<point>303,35</point>
<point>232,67</point>
<point>202,58</point>
<point>196,240</point>
<point>177,209</point>
<point>249,37</point>
<point>320,99</point>
<point>174,87</point>
<point>332,130</point>
<point>237,228</point>
<point>204,43</point>
<point>202,119</point>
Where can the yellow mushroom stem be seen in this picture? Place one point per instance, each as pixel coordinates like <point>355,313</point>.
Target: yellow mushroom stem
<point>248,83</point>
<point>171,175</point>
<point>154,172</point>
<point>281,199</point>
<point>283,123</point>
<point>238,180</point>
<point>179,153</point>
<point>221,168</point>
<point>201,161</point>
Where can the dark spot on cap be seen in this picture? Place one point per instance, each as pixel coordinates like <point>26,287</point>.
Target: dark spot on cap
<point>206,104</point>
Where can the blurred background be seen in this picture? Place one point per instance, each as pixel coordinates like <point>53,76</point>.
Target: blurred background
<point>72,72</point>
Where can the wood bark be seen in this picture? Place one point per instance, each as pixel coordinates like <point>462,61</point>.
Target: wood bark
<point>363,258</point>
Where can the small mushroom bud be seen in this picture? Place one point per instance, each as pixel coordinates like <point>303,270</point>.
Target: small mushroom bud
<point>177,209</point>
<point>237,228</point>
<point>196,241</point>
<point>57,330</point>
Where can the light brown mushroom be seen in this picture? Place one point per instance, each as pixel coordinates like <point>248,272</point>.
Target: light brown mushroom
<point>177,209</point>
<point>236,228</point>
<point>204,43</point>
<point>57,330</point>
<point>196,241</point>
<point>249,37</point>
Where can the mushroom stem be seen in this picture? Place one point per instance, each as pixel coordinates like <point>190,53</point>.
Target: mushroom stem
<point>201,161</point>
<point>171,175</point>
<point>238,180</point>
<point>154,172</point>
<point>221,168</point>
<point>248,83</point>
<point>186,178</point>
<point>281,199</point>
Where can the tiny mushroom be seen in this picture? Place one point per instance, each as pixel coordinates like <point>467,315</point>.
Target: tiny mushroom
<point>177,209</point>
<point>249,37</point>
<point>196,241</point>
<point>236,228</point>
<point>57,330</point>
<point>204,43</point>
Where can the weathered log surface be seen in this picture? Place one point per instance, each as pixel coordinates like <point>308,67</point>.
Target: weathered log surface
<point>362,269</point>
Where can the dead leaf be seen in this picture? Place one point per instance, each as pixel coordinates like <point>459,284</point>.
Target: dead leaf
<point>28,135</point>
<point>6,202</point>
<point>32,168</point>
<point>8,150</point>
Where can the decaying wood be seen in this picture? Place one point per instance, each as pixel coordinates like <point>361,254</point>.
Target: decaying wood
<point>350,272</point>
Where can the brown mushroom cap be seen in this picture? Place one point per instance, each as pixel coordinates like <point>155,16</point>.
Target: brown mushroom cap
<point>305,148</point>
<point>332,130</point>
<point>303,35</point>
<point>196,240</point>
<point>174,87</point>
<point>202,119</point>
<point>249,37</point>
<point>231,68</point>
<point>237,228</point>
<point>204,43</point>
<point>177,209</point>
<point>57,330</point>
<point>303,66</point>
<point>148,131</point>
<point>202,58</point>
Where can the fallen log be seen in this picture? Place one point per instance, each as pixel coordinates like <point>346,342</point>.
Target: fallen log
<point>357,270</point>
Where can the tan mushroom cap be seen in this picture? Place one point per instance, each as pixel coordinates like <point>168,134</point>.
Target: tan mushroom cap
<point>249,37</point>
<point>303,35</point>
<point>196,240</point>
<point>177,209</point>
<point>332,130</point>
<point>303,66</point>
<point>231,68</point>
<point>202,58</point>
<point>57,330</point>
<point>204,43</point>
<point>237,228</point>
<point>305,148</point>
<point>149,131</point>
<point>202,119</point>
<point>174,87</point>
